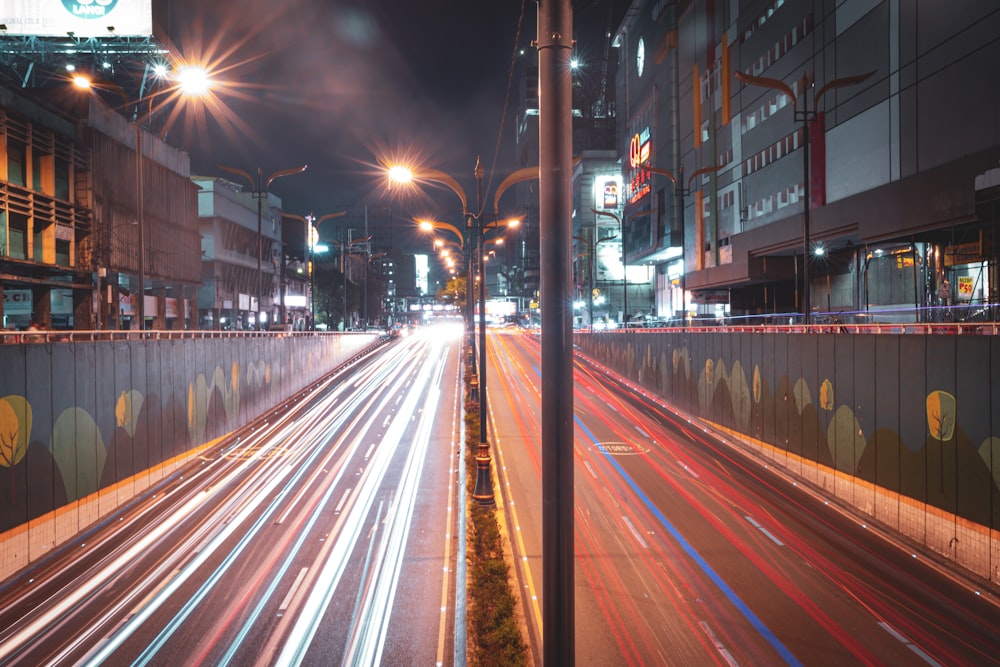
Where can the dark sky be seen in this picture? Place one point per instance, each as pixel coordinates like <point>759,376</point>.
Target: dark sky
<point>341,84</point>
<point>336,85</point>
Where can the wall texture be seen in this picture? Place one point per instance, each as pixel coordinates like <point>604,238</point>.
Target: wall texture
<point>85,426</point>
<point>905,428</point>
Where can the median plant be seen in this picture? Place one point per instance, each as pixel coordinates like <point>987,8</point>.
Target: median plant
<point>494,637</point>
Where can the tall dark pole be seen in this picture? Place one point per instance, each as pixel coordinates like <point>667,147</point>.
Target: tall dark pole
<point>141,223</point>
<point>260,194</point>
<point>621,233</point>
<point>805,115</point>
<point>259,191</point>
<point>555,149</point>
<point>483,493</point>
<point>806,306</point>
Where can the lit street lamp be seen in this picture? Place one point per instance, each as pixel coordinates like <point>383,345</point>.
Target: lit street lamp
<point>259,192</point>
<point>312,224</point>
<point>404,175</point>
<point>805,115</point>
<point>191,81</point>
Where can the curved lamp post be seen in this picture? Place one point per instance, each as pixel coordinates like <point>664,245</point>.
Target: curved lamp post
<point>192,82</point>
<point>312,224</point>
<point>804,115</point>
<point>681,192</point>
<point>403,174</point>
<point>259,192</point>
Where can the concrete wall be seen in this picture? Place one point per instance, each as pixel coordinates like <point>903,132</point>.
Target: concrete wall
<point>86,426</point>
<point>904,428</point>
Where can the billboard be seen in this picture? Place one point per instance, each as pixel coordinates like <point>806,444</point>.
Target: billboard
<point>79,18</point>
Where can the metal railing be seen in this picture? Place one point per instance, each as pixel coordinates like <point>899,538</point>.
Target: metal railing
<point>79,336</point>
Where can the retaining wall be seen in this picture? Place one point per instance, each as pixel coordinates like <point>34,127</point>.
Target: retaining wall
<point>85,426</point>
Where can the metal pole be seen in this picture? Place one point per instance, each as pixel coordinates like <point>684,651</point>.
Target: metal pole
<point>309,268</point>
<point>260,243</point>
<point>806,306</point>
<point>141,222</point>
<point>470,311</point>
<point>555,44</point>
<point>483,493</point>
<point>621,232</point>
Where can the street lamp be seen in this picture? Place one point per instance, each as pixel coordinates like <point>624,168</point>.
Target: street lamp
<point>403,174</point>
<point>191,81</point>
<point>681,192</point>
<point>805,115</point>
<point>259,192</point>
<point>312,224</point>
<point>345,253</point>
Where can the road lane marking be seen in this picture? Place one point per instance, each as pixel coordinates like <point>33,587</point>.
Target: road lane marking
<point>688,470</point>
<point>908,644</point>
<point>719,646</point>
<point>291,591</point>
<point>343,499</point>
<point>764,530</point>
<point>759,626</point>
<point>635,533</point>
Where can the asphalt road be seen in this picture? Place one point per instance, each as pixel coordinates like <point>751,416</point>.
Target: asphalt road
<point>689,552</point>
<point>325,535</point>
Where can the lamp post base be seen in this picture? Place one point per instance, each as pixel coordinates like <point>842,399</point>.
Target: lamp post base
<point>483,493</point>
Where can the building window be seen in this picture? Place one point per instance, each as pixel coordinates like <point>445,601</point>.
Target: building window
<point>17,236</point>
<point>15,162</point>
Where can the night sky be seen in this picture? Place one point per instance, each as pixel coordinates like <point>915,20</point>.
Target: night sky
<point>338,85</point>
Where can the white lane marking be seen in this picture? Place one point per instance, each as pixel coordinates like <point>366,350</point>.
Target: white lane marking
<point>687,469</point>
<point>908,644</point>
<point>291,591</point>
<point>343,499</point>
<point>764,530</point>
<point>719,646</point>
<point>635,532</point>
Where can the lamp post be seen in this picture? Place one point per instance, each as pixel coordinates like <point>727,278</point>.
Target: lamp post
<point>403,174</point>
<point>483,493</point>
<point>590,280</point>
<point>466,246</point>
<point>621,234</point>
<point>681,192</point>
<point>191,82</point>
<point>555,212</point>
<point>259,191</point>
<point>805,115</point>
<point>312,224</point>
<point>345,253</point>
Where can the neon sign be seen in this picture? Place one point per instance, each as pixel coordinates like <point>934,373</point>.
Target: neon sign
<point>639,155</point>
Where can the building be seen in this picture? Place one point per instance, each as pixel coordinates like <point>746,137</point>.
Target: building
<point>75,219</point>
<point>902,171</point>
<point>230,280</point>
<point>46,222</point>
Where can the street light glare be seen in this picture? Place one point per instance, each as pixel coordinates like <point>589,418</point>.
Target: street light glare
<point>400,174</point>
<point>82,81</point>
<point>193,80</point>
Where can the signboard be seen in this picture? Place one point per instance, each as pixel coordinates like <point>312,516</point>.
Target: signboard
<point>607,192</point>
<point>965,286</point>
<point>78,18</point>
<point>17,302</point>
<point>639,155</point>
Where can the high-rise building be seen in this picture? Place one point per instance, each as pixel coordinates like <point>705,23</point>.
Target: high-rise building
<point>819,159</point>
